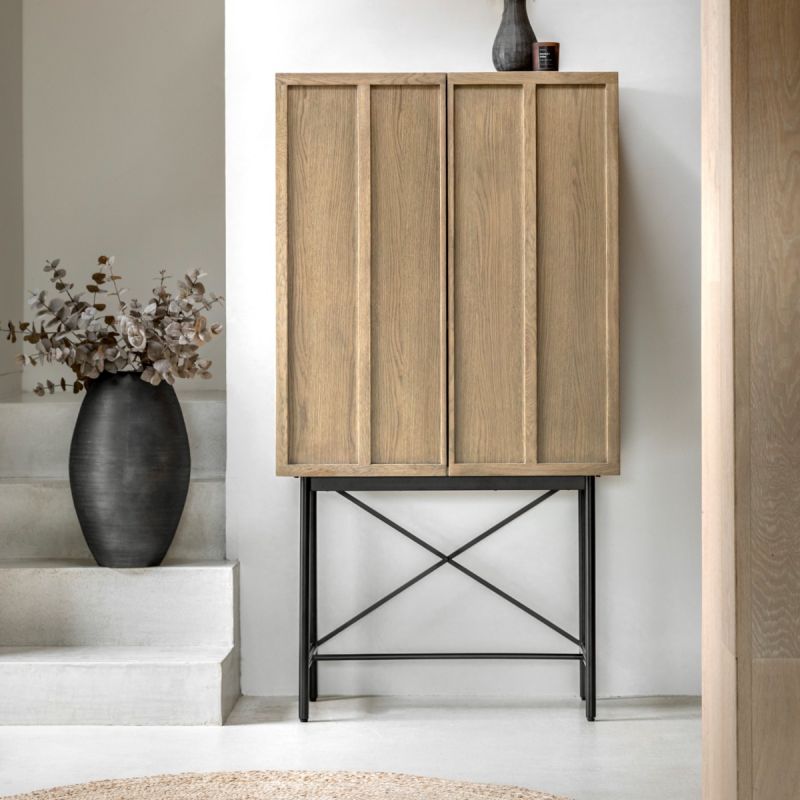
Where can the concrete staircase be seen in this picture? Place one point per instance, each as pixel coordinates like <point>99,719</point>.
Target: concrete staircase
<point>80,644</point>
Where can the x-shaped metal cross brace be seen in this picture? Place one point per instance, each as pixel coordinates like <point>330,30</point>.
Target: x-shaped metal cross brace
<point>446,558</point>
<point>310,657</point>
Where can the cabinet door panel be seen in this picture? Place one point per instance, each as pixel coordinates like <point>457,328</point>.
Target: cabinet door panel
<point>406,281</point>
<point>322,267</point>
<point>571,274</point>
<point>488,308</point>
<point>361,275</point>
<point>533,274</point>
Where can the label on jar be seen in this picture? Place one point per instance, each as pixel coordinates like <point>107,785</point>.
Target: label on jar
<point>545,56</point>
<point>548,58</point>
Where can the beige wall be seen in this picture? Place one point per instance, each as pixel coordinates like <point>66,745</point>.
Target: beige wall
<point>124,143</point>
<point>11,296</point>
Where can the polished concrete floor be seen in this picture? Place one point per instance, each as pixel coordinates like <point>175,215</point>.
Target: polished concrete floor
<point>639,749</point>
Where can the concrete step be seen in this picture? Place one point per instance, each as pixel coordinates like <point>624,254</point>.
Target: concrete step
<point>64,603</point>
<point>37,520</point>
<point>35,434</point>
<point>117,685</point>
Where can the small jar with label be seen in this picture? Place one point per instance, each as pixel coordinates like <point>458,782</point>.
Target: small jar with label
<point>545,56</point>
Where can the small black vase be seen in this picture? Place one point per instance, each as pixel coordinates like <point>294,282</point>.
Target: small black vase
<point>513,45</point>
<point>129,467</point>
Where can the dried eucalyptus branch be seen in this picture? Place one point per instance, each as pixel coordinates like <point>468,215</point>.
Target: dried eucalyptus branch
<point>160,340</point>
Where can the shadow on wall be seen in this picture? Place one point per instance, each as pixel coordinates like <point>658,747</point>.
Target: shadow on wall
<point>660,401</point>
<point>659,240</point>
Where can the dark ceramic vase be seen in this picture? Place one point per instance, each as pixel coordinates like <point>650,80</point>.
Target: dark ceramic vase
<point>129,469</point>
<point>513,46</point>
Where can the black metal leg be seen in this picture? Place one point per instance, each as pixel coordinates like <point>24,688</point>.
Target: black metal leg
<point>313,677</point>
<point>582,585</point>
<point>310,640</point>
<point>305,497</point>
<point>591,666</point>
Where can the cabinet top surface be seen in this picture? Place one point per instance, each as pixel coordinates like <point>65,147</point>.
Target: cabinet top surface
<point>357,78</point>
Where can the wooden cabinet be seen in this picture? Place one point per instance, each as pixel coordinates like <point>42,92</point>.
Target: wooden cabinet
<point>447,274</point>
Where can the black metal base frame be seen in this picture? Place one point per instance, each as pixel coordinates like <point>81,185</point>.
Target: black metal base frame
<point>311,642</point>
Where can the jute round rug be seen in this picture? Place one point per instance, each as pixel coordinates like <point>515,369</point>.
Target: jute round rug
<point>284,786</point>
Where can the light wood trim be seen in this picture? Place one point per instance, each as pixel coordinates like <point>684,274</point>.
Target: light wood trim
<point>549,78</point>
<point>530,304</point>
<point>720,741</point>
<point>571,468</point>
<point>376,470</point>
<point>421,78</point>
<point>361,78</point>
<point>364,247</point>
<point>443,272</point>
<point>451,247</point>
<point>612,273</point>
<point>720,672</point>
<point>281,276</point>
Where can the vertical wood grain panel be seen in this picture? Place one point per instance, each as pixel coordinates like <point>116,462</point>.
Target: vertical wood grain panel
<point>751,330</point>
<point>776,729</point>
<point>769,141</point>
<point>322,275</point>
<point>571,274</point>
<point>738,55</point>
<point>488,261</point>
<point>407,300</point>
<point>774,261</point>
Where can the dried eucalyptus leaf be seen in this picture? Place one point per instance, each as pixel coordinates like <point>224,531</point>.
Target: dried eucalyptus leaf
<point>159,340</point>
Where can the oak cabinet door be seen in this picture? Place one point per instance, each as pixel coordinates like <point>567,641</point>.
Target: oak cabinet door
<point>361,265</point>
<point>533,274</point>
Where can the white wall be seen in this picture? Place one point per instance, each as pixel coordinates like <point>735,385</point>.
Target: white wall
<point>10,185</point>
<point>648,519</point>
<point>124,144</point>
